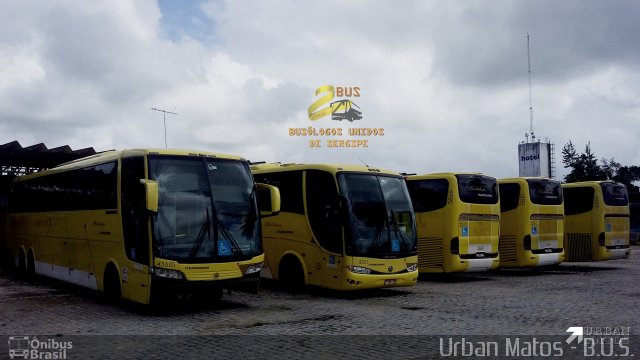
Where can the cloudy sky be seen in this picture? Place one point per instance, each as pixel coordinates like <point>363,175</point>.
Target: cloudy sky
<point>447,80</point>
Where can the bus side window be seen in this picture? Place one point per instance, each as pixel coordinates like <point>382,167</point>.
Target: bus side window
<point>428,195</point>
<point>134,214</point>
<point>323,210</point>
<point>577,200</point>
<point>509,196</point>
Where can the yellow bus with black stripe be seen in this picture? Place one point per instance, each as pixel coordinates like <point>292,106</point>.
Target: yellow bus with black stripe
<point>458,221</point>
<point>531,222</point>
<point>342,227</point>
<point>596,221</point>
<point>141,225</point>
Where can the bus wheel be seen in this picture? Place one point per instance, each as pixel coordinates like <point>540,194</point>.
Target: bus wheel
<point>290,273</point>
<point>216,294</point>
<point>22,262</point>
<point>31,264</point>
<point>112,290</point>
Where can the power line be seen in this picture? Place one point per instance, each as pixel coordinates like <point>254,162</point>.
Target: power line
<point>164,121</point>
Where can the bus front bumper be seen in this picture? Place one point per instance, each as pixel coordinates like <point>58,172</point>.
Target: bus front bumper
<point>170,287</point>
<point>354,281</point>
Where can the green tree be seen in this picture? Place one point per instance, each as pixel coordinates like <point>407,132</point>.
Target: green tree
<point>585,167</point>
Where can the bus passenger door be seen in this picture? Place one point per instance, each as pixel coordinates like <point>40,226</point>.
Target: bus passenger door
<point>325,220</point>
<point>134,271</point>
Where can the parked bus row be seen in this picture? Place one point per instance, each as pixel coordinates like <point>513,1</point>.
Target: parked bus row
<point>472,222</point>
<point>145,224</point>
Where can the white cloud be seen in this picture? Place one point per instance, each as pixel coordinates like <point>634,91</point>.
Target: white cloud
<point>447,80</point>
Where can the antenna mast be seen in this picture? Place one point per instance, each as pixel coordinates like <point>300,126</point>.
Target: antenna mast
<point>533,137</point>
<point>164,120</point>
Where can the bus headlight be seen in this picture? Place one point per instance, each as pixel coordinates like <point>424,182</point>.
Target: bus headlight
<point>412,267</point>
<point>169,274</point>
<point>358,269</point>
<point>252,269</point>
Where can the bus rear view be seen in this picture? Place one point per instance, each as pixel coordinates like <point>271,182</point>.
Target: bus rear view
<point>458,221</point>
<point>596,221</point>
<point>531,222</point>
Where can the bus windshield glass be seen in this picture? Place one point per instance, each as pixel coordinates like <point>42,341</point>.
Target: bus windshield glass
<point>634,216</point>
<point>614,194</point>
<point>545,192</point>
<point>381,219</point>
<point>477,189</point>
<point>207,209</point>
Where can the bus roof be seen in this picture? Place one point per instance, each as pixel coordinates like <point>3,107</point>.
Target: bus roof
<point>525,178</point>
<point>332,168</point>
<point>593,183</point>
<point>442,175</point>
<point>113,155</point>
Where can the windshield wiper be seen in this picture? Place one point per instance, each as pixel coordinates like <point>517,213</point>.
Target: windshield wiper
<point>377,235</point>
<point>204,230</point>
<point>396,228</point>
<point>227,234</point>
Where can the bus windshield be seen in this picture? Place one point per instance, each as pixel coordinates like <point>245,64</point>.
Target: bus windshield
<point>634,216</point>
<point>477,189</point>
<point>614,194</point>
<point>545,192</point>
<point>381,219</point>
<point>207,209</point>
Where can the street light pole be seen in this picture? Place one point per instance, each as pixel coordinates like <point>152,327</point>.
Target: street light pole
<point>164,121</point>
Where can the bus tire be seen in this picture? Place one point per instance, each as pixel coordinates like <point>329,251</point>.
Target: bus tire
<point>22,262</point>
<point>31,265</point>
<point>290,273</point>
<point>112,289</point>
<point>215,295</point>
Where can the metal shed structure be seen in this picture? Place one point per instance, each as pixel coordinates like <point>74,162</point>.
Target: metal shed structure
<point>16,160</point>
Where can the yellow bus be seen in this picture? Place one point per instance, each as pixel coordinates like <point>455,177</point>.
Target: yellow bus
<point>531,222</point>
<point>141,225</point>
<point>342,227</point>
<point>596,221</point>
<point>458,219</point>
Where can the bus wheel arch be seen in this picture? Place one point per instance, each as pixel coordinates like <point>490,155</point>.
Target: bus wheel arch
<point>291,271</point>
<point>111,283</point>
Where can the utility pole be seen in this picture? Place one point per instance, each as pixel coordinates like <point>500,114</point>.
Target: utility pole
<point>533,137</point>
<point>164,121</point>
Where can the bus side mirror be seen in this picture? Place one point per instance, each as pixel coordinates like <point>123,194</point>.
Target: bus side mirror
<point>151,191</point>
<point>268,200</point>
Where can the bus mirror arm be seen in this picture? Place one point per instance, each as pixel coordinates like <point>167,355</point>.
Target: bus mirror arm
<point>268,200</point>
<point>151,194</point>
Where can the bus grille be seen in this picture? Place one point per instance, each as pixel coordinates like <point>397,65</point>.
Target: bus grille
<point>430,252</point>
<point>578,247</point>
<point>210,275</point>
<point>507,249</point>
